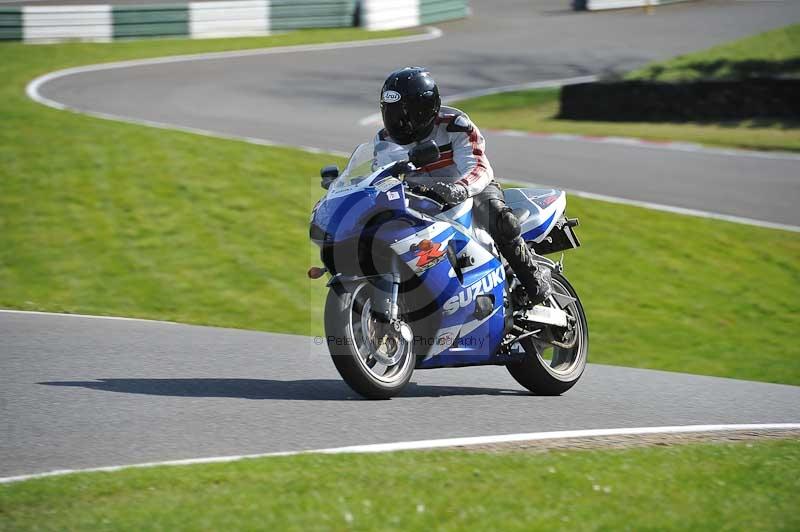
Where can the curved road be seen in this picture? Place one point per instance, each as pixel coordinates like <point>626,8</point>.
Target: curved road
<point>83,392</point>
<point>317,98</point>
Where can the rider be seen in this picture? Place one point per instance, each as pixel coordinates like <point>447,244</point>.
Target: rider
<point>412,113</point>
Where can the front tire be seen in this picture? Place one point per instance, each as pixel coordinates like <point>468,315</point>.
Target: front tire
<point>565,366</point>
<point>365,366</point>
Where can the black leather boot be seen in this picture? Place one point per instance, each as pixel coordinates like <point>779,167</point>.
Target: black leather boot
<point>534,277</point>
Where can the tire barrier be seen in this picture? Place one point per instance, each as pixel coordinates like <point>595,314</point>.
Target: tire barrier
<point>391,14</point>
<point>228,18</point>
<point>597,5</point>
<point>644,101</point>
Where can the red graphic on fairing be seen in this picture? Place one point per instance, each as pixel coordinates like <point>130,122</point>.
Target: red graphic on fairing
<point>428,253</point>
<point>544,201</point>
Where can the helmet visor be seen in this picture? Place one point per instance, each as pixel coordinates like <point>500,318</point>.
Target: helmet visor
<point>397,123</point>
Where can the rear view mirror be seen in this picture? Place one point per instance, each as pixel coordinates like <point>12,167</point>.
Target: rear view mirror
<point>424,153</point>
<point>328,174</point>
<point>330,171</point>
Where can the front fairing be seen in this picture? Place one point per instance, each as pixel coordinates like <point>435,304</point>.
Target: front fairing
<point>364,191</point>
<point>345,213</point>
<point>368,225</point>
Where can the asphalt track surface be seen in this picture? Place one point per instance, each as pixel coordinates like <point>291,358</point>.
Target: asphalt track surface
<point>317,98</point>
<point>80,392</point>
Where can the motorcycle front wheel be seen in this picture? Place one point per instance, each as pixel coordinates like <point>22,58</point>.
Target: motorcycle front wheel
<point>373,360</point>
<point>549,369</point>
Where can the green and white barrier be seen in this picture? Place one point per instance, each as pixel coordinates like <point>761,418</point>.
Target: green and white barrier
<point>296,14</point>
<point>392,14</point>
<point>225,18</point>
<point>78,22</point>
<point>389,14</point>
<point>598,5</point>
<point>151,21</point>
<point>106,22</point>
<point>198,19</point>
<point>228,18</point>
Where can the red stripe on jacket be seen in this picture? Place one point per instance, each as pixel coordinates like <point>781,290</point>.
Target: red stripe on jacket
<point>445,160</point>
<point>480,170</point>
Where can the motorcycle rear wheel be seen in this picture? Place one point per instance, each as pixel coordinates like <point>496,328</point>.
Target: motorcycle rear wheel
<point>366,367</point>
<point>565,366</point>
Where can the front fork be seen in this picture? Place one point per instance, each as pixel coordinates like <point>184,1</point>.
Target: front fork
<point>385,304</point>
<point>385,297</point>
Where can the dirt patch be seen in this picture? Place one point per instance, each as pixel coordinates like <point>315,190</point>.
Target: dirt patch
<point>640,440</point>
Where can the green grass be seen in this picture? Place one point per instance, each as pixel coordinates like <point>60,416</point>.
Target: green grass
<point>693,487</point>
<point>101,217</point>
<point>687,294</point>
<point>536,111</point>
<point>108,218</point>
<point>771,53</point>
<point>41,59</point>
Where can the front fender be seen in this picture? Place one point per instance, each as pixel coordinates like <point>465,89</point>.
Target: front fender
<point>385,291</point>
<point>344,280</point>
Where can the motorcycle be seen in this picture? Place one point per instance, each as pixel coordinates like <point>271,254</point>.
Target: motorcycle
<point>417,285</point>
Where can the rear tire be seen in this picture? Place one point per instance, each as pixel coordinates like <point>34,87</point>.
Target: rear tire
<point>348,346</point>
<point>567,365</point>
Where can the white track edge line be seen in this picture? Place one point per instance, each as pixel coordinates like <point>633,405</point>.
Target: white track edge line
<point>684,211</point>
<point>636,142</point>
<point>375,118</point>
<point>432,32</point>
<point>628,141</point>
<point>550,83</point>
<point>92,316</point>
<point>428,444</point>
<point>33,87</point>
<point>147,320</point>
<point>689,147</point>
<point>688,212</point>
<point>32,90</point>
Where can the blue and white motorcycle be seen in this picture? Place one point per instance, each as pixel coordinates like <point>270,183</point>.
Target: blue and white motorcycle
<point>417,285</point>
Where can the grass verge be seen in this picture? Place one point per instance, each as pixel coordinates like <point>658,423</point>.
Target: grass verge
<point>101,217</point>
<point>740,486</point>
<point>772,53</point>
<point>685,294</point>
<point>107,218</point>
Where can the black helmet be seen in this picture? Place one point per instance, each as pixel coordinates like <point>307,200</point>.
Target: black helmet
<point>409,104</point>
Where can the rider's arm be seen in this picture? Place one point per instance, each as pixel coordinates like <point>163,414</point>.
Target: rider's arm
<point>469,156</point>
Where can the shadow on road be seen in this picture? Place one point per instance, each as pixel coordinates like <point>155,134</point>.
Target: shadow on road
<point>302,390</point>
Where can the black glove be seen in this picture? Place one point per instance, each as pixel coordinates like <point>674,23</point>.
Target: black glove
<point>446,193</point>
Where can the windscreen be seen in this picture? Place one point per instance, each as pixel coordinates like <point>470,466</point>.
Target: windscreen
<point>366,158</point>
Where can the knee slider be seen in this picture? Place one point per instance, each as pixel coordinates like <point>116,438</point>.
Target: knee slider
<point>508,226</point>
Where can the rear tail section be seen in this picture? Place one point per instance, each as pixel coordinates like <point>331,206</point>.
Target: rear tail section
<point>542,214</point>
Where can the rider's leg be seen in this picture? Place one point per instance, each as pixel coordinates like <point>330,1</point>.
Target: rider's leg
<point>496,217</point>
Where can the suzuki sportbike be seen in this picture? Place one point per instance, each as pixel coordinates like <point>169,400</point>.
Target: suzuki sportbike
<point>417,285</point>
